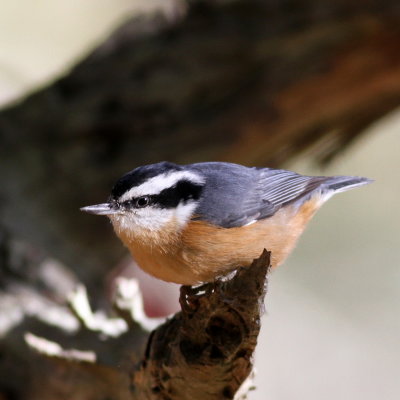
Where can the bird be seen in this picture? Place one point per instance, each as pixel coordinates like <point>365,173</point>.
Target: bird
<point>195,223</point>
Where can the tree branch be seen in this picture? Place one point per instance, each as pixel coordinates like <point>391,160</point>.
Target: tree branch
<point>215,336</point>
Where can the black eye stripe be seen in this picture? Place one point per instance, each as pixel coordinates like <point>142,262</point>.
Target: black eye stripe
<point>182,191</point>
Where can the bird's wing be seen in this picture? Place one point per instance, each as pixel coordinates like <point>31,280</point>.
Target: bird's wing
<point>236,196</point>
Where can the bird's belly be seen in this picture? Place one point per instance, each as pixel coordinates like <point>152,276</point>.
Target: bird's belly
<point>203,252</point>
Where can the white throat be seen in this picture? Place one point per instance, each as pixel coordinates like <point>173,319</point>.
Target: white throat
<point>153,219</point>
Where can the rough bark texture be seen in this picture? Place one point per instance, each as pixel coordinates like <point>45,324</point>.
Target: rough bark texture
<point>210,344</point>
<point>256,82</point>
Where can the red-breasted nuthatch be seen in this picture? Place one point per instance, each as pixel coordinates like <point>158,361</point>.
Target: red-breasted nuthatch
<point>192,223</point>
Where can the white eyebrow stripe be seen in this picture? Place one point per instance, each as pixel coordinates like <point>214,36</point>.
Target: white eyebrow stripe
<point>160,182</point>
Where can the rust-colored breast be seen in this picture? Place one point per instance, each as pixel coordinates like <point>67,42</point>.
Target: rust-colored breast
<point>156,252</point>
<point>202,251</point>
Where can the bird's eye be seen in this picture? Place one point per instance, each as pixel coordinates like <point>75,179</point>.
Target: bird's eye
<point>142,201</point>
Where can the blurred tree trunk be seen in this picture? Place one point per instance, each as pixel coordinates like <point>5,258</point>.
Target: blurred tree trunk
<point>255,82</point>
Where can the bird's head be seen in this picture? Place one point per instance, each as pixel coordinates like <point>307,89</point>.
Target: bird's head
<point>150,197</point>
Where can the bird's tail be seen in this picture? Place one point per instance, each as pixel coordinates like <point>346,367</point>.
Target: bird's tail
<point>339,184</point>
<point>330,185</point>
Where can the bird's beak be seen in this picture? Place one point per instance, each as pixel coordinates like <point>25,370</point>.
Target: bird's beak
<point>102,209</point>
